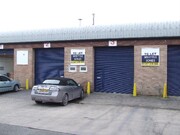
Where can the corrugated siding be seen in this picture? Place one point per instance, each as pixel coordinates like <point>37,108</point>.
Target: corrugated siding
<point>48,63</point>
<point>114,69</point>
<point>146,30</point>
<point>173,73</point>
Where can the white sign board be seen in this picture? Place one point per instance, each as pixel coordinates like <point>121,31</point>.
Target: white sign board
<point>1,46</point>
<point>47,45</point>
<point>22,57</point>
<point>113,43</point>
<point>77,56</point>
<point>150,56</point>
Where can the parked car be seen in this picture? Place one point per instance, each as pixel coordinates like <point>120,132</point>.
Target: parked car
<point>59,90</point>
<point>8,84</point>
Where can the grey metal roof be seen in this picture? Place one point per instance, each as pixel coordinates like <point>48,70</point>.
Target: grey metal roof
<point>146,30</point>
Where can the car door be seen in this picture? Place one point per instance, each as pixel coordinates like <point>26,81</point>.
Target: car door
<point>2,85</point>
<point>74,88</point>
<point>5,84</point>
<point>68,89</point>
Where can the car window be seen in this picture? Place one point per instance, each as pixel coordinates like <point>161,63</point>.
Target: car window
<point>71,83</point>
<point>3,78</point>
<point>63,83</point>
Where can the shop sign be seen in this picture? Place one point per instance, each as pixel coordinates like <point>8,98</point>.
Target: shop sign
<point>150,56</point>
<point>77,56</point>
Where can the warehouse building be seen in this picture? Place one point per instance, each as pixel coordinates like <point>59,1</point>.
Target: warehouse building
<point>112,58</point>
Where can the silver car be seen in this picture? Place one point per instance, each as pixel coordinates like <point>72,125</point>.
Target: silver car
<point>59,90</point>
<point>8,84</point>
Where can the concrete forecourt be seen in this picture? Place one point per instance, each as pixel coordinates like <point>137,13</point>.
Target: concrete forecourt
<point>97,114</point>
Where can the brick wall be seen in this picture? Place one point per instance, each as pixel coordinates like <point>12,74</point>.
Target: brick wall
<point>150,80</point>
<point>81,77</point>
<point>23,72</point>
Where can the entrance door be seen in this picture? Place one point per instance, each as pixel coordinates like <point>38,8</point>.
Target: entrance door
<point>7,62</point>
<point>173,68</point>
<point>114,69</point>
<point>48,63</point>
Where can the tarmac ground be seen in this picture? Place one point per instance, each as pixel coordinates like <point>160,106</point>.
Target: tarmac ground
<point>96,114</point>
<point>158,102</point>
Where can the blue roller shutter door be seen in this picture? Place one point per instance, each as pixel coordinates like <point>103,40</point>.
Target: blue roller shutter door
<point>114,70</point>
<point>173,71</point>
<point>48,63</point>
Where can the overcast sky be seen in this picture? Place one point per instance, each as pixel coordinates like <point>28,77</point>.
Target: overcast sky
<point>41,14</point>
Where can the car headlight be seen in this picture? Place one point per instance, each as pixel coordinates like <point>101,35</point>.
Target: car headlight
<point>35,88</point>
<point>53,88</point>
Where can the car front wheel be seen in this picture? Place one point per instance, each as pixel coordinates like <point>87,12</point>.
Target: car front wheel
<point>16,88</point>
<point>82,94</point>
<point>65,100</point>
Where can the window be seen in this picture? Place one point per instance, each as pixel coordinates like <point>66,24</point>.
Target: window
<point>83,69</point>
<point>3,78</point>
<point>71,83</point>
<point>51,82</point>
<point>1,68</point>
<point>72,69</point>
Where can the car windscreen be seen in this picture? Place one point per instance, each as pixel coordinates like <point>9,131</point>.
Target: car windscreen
<point>50,81</point>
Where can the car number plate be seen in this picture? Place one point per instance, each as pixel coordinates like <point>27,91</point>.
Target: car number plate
<point>43,90</point>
